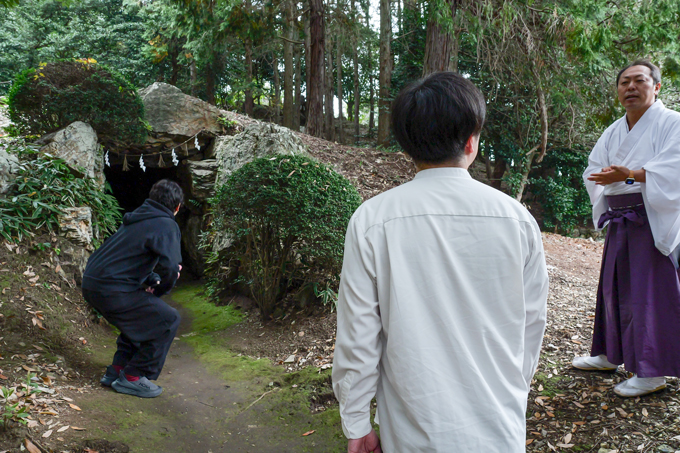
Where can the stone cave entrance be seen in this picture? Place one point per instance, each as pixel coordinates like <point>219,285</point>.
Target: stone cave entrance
<point>132,187</point>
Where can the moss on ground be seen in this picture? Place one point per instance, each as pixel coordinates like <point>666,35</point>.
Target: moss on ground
<point>286,408</point>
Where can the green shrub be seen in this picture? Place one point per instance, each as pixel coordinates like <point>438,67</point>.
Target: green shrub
<point>560,191</point>
<point>54,95</point>
<point>43,187</point>
<point>286,218</point>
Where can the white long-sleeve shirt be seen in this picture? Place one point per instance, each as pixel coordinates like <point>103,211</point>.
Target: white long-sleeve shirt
<point>441,315</point>
<point>652,144</point>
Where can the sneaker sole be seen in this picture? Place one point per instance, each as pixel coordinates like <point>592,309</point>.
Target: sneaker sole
<point>107,382</point>
<point>644,392</point>
<point>594,368</point>
<point>134,392</point>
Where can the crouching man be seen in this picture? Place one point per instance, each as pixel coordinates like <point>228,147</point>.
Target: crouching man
<point>120,282</point>
<point>442,302</point>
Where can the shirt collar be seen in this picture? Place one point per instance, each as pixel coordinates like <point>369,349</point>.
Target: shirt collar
<point>443,172</point>
<point>656,105</point>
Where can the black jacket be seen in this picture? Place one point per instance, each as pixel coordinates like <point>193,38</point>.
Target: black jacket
<point>149,237</point>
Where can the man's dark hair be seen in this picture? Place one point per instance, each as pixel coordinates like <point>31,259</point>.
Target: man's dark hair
<point>168,193</point>
<point>654,69</point>
<point>433,118</point>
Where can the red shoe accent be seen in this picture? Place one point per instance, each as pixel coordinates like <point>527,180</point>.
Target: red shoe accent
<point>131,378</point>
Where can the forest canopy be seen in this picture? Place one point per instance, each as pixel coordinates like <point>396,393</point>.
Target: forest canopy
<point>332,68</point>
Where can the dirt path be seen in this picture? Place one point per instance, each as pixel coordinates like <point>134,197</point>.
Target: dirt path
<point>202,410</point>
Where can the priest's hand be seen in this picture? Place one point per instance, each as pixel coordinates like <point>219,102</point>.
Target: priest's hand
<point>367,444</point>
<point>609,175</point>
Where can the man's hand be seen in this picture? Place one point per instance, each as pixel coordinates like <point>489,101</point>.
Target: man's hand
<point>180,268</point>
<point>609,175</point>
<point>149,290</point>
<point>367,444</point>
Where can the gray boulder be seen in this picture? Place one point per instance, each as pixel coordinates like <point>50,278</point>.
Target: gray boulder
<point>9,166</point>
<point>4,119</point>
<point>256,140</point>
<point>193,255</point>
<point>200,176</point>
<point>77,145</point>
<point>171,112</point>
<point>75,224</point>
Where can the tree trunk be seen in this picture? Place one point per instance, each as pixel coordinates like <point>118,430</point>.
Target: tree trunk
<point>441,43</point>
<point>499,168</point>
<point>298,88</point>
<point>369,69</point>
<point>277,92</point>
<point>317,34</point>
<point>192,77</point>
<point>173,51</point>
<point>328,105</point>
<point>356,81</point>
<point>525,172</point>
<point>249,104</point>
<point>385,79</point>
<point>341,128</point>
<point>210,83</point>
<point>288,63</point>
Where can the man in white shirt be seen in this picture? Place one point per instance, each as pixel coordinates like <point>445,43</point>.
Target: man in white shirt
<point>442,301</point>
<point>634,186</point>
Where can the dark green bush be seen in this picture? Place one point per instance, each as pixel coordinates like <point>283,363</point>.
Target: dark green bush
<point>286,218</point>
<point>54,95</point>
<point>558,187</point>
<point>44,186</point>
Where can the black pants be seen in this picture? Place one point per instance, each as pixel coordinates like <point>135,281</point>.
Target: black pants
<point>147,328</point>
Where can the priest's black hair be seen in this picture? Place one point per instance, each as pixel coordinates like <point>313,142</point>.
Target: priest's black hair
<point>168,193</point>
<point>433,118</point>
<point>654,70</point>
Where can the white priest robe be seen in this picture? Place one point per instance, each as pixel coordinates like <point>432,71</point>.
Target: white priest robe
<point>441,314</point>
<point>652,144</point>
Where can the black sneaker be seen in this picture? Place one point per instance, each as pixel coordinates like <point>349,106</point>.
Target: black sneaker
<point>109,377</point>
<point>142,388</point>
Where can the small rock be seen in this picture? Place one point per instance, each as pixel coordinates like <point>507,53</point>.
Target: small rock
<point>301,334</point>
<point>665,449</point>
<point>290,359</point>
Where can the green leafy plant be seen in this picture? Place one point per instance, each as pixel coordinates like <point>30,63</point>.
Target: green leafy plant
<point>11,412</point>
<point>558,188</point>
<point>286,219</point>
<point>54,95</point>
<point>43,188</point>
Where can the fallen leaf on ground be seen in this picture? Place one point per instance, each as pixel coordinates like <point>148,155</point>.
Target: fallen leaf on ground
<point>309,432</point>
<point>30,447</point>
<point>47,433</point>
<point>63,428</point>
<point>77,429</point>
<point>2,376</point>
<point>73,406</point>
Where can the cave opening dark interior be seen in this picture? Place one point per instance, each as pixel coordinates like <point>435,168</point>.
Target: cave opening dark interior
<point>132,187</point>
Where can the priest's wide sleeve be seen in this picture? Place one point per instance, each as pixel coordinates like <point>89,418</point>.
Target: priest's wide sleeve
<point>535,296</point>
<point>358,340</point>
<point>597,160</point>
<point>662,190</point>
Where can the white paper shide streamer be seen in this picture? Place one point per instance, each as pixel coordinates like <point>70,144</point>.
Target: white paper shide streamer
<point>106,159</point>
<point>198,147</point>
<point>174,157</point>
<point>141,163</point>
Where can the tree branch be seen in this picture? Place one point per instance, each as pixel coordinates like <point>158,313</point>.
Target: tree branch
<point>290,40</point>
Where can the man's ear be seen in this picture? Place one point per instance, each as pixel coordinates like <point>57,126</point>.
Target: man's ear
<point>472,145</point>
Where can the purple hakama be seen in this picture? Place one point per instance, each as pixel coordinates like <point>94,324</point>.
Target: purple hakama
<point>637,317</point>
